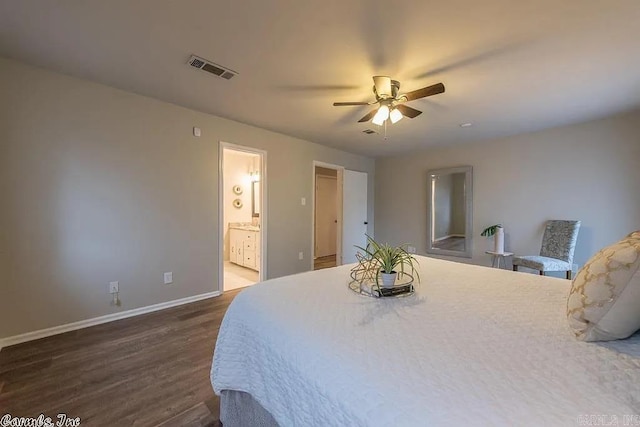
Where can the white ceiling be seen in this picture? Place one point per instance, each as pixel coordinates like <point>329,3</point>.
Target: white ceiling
<point>508,66</point>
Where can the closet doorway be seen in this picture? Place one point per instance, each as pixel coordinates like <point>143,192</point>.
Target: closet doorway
<point>242,216</point>
<point>327,215</point>
<point>339,215</point>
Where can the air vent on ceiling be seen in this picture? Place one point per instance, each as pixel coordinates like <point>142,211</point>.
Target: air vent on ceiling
<point>210,67</point>
<point>369,131</point>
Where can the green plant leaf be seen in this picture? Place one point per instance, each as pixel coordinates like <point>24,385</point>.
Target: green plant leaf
<point>491,230</point>
<point>386,258</point>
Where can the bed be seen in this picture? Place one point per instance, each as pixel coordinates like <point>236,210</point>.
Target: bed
<point>472,346</point>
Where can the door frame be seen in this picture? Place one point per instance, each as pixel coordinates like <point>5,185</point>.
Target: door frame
<point>339,173</point>
<point>262,274</point>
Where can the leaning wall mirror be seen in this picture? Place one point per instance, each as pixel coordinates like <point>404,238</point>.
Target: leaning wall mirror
<point>450,211</point>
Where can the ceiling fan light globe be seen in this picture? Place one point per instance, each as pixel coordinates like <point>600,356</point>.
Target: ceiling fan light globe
<point>384,112</point>
<point>395,115</point>
<point>377,120</point>
<point>381,115</point>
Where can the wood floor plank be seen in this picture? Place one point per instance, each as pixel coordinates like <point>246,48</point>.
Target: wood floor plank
<point>147,370</point>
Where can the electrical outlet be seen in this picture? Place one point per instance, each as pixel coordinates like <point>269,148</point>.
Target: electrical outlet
<point>168,278</point>
<point>411,249</point>
<point>300,255</point>
<point>114,287</point>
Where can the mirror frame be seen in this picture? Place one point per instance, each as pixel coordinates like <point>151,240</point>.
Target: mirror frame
<point>468,203</point>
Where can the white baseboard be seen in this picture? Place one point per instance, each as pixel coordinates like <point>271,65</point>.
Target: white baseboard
<point>42,333</point>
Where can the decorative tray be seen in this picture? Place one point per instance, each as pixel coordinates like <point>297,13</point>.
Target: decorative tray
<point>402,288</point>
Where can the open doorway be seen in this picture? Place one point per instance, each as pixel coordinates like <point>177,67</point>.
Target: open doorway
<point>339,215</point>
<point>327,216</point>
<point>242,237</point>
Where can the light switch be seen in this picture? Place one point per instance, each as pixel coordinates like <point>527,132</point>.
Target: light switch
<point>303,201</point>
<point>114,287</point>
<point>197,132</point>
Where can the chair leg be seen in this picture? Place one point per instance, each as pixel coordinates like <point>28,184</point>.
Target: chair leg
<point>569,274</point>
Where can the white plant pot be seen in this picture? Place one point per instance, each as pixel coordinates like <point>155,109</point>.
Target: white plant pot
<point>498,239</point>
<point>388,279</point>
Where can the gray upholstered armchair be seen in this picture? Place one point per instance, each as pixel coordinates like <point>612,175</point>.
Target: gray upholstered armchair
<point>558,245</point>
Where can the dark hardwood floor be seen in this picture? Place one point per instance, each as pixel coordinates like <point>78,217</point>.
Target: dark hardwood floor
<point>148,370</point>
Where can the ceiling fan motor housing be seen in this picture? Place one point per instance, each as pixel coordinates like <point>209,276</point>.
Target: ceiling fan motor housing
<point>395,88</point>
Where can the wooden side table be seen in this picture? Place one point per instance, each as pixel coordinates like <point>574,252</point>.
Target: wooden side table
<point>497,257</point>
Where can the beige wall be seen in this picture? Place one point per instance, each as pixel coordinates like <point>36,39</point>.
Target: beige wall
<point>589,172</point>
<point>99,184</point>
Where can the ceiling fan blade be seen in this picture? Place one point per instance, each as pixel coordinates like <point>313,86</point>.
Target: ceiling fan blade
<point>408,111</point>
<point>424,92</point>
<point>369,116</point>
<point>346,104</point>
<point>383,86</point>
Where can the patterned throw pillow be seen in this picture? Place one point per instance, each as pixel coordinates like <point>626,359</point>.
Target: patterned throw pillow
<point>604,303</point>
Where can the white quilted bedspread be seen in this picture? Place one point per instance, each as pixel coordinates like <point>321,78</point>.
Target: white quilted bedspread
<point>473,346</point>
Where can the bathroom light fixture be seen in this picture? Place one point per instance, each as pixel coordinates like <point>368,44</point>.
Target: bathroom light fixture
<point>395,115</point>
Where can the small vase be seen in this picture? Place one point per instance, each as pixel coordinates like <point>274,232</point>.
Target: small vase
<point>498,239</point>
<point>388,279</point>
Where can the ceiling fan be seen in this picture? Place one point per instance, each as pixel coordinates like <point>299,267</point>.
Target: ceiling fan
<point>391,102</point>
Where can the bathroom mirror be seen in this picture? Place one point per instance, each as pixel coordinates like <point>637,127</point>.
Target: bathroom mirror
<point>255,199</point>
<point>450,198</point>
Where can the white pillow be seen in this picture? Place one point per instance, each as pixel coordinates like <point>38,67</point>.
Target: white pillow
<point>604,303</point>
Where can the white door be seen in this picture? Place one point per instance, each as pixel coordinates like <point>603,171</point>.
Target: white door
<point>354,216</point>
<point>326,215</point>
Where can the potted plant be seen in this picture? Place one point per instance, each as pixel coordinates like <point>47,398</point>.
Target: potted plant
<point>498,237</point>
<point>386,261</point>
